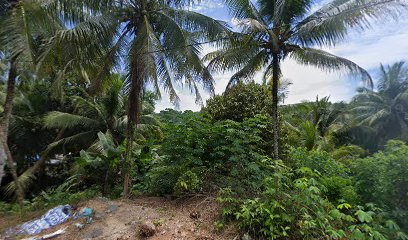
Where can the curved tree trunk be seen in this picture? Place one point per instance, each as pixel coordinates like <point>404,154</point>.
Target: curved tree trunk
<point>275,118</point>
<point>4,126</point>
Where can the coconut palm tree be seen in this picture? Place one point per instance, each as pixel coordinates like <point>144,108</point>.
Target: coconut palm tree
<point>99,114</point>
<point>385,110</point>
<point>155,40</point>
<point>271,31</point>
<point>24,25</point>
<point>316,122</point>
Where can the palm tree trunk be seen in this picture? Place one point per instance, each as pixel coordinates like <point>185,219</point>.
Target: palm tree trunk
<point>4,126</point>
<point>133,118</point>
<point>275,86</point>
<point>19,188</point>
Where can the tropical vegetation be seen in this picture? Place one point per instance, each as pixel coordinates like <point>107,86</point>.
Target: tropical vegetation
<point>79,83</point>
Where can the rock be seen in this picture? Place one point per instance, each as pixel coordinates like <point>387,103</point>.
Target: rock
<point>195,215</point>
<point>148,229</point>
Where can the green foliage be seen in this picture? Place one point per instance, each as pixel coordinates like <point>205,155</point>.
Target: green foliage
<point>96,166</point>
<point>66,193</point>
<point>220,154</point>
<point>240,102</point>
<point>294,205</point>
<point>188,182</point>
<point>319,161</point>
<point>383,179</point>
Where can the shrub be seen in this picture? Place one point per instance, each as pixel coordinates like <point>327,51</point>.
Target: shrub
<point>221,154</point>
<point>240,102</point>
<point>383,179</point>
<point>293,206</point>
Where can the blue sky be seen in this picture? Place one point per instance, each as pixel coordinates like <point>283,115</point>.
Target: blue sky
<point>386,42</point>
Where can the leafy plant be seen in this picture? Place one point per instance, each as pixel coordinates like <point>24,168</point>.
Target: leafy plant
<point>220,154</point>
<point>388,187</point>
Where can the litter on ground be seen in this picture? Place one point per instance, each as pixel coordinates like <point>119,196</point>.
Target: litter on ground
<point>53,217</point>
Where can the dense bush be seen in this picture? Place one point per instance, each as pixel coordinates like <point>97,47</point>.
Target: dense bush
<point>220,154</point>
<point>383,179</point>
<point>294,206</point>
<point>240,102</point>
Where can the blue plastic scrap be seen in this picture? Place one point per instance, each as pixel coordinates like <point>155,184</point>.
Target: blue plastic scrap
<point>86,213</point>
<point>52,218</point>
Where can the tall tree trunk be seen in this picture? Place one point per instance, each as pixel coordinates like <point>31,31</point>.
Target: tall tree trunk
<point>136,76</point>
<point>275,118</point>
<point>4,126</point>
<point>19,188</point>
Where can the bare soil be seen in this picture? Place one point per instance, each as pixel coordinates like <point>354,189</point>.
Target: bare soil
<point>186,219</point>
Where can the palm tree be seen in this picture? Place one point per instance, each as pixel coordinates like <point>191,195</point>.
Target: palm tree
<point>156,41</point>
<point>385,110</point>
<point>316,122</point>
<point>274,30</point>
<point>93,115</point>
<point>24,26</point>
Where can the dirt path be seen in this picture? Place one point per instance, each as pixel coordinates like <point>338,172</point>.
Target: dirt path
<point>172,219</point>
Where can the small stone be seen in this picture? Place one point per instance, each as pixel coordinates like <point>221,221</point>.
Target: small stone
<point>195,215</point>
<point>148,229</point>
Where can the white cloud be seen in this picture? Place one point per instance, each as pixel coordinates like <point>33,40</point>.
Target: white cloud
<point>206,5</point>
<point>385,43</point>
<point>308,82</point>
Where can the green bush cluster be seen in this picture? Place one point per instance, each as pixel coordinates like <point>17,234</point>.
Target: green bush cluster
<point>240,102</point>
<point>295,205</point>
<point>383,179</point>
<point>315,196</point>
<point>199,155</point>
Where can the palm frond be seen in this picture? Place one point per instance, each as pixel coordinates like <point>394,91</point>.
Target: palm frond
<point>329,62</point>
<point>25,181</point>
<point>247,73</point>
<point>83,139</point>
<point>207,27</point>
<point>330,24</point>
<point>241,8</point>
<point>69,121</point>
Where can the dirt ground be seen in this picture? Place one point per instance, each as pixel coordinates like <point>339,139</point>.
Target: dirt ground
<point>122,220</point>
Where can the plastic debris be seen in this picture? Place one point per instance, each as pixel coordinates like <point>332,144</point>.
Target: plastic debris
<point>85,212</point>
<point>52,218</point>
<point>79,225</point>
<point>48,236</point>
